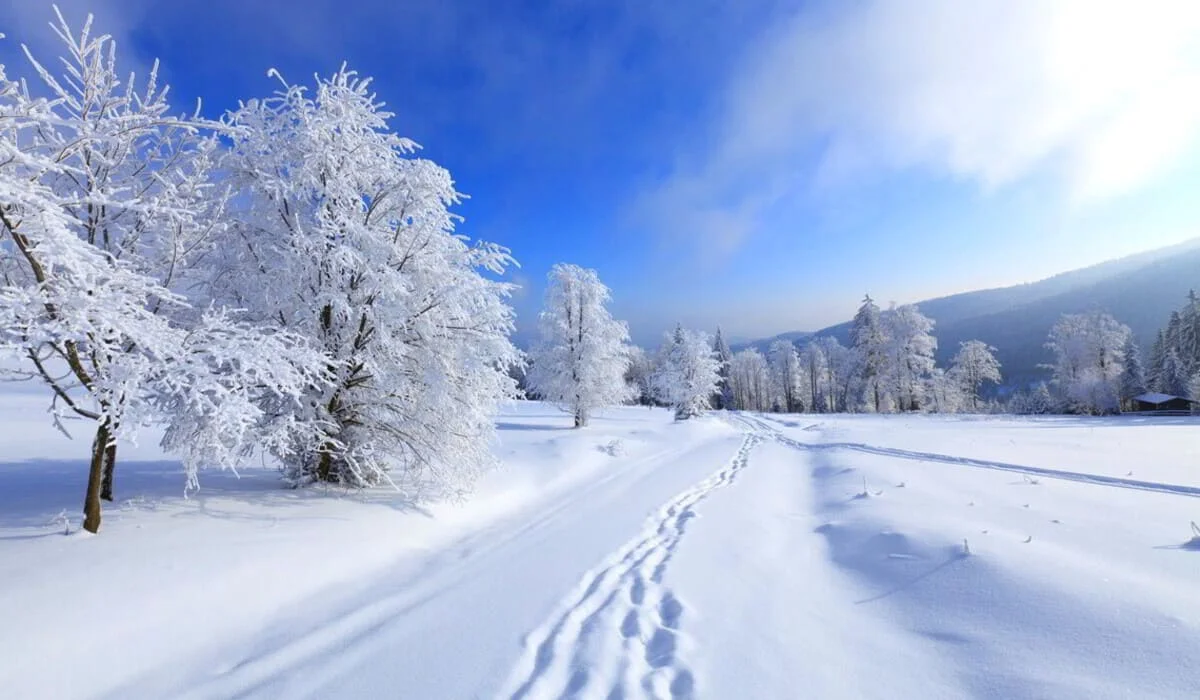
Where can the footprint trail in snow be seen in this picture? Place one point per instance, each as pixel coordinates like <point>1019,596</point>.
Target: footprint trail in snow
<point>618,635</point>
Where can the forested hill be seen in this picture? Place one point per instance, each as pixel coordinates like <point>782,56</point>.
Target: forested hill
<point>1141,291</point>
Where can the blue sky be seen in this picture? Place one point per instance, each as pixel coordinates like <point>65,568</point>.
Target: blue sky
<point>754,164</point>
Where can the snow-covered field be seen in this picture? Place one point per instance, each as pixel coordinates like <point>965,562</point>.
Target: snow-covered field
<point>735,556</point>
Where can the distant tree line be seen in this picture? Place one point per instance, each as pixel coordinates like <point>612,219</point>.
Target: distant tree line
<point>1097,368</point>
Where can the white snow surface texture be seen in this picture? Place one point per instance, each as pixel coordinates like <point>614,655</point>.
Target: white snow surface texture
<point>732,556</point>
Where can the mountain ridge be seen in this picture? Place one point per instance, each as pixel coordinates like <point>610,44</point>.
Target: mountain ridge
<point>1140,290</point>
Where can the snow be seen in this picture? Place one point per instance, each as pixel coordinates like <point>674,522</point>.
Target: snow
<point>1155,397</point>
<point>735,555</point>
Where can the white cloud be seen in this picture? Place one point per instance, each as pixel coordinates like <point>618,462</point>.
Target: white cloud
<point>1104,96</point>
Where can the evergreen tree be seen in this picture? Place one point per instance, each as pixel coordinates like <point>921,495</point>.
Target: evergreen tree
<point>867,339</point>
<point>688,373</point>
<point>1194,388</point>
<point>1174,380</point>
<point>724,397</point>
<point>1189,334</point>
<point>1041,401</point>
<point>1158,357</point>
<point>1133,377</point>
<point>1173,332</point>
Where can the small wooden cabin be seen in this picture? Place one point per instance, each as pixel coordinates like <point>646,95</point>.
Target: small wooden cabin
<point>1154,402</point>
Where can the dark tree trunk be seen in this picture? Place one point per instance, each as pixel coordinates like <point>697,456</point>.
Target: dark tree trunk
<point>325,465</point>
<point>110,464</point>
<point>103,457</point>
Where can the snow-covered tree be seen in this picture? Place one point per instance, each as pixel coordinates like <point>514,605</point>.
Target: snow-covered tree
<point>1089,354</point>
<point>813,360</point>
<point>869,342</point>
<point>1194,388</point>
<point>1173,380</point>
<point>838,374</point>
<point>347,239</point>
<point>973,364</point>
<point>1189,334</point>
<point>581,360</point>
<point>1133,378</point>
<point>1041,401</point>
<point>909,348</point>
<point>724,397</point>
<point>640,375</point>
<point>946,392</point>
<point>750,376</point>
<point>108,205</point>
<point>1158,356</point>
<point>1037,402</point>
<point>786,371</point>
<point>688,373</point>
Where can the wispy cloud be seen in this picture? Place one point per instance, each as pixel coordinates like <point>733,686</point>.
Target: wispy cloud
<point>1101,97</point>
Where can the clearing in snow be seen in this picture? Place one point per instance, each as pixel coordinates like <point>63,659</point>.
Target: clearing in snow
<point>737,555</point>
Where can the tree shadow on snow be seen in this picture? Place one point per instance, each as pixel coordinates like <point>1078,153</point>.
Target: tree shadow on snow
<point>1126,421</point>
<point>504,426</point>
<point>1192,545</point>
<point>46,494</point>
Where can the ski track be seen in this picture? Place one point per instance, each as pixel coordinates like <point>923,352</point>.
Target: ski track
<point>618,635</point>
<point>1094,479</point>
<point>258,672</point>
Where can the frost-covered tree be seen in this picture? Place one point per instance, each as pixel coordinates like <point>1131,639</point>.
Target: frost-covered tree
<point>869,342</point>
<point>838,375</point>
<point>347,239</point>
<point>750,376</point>
<point>640,375</point>
<point>1189,334</point>
<point>1173,380</point>
<point>1133,378</point>
<point>1158,356</point>
<point>813,359</point>
<point>1173,334</point>
<point>581,360</point>
<point>108,206</point>
<point>786,371</point>
<point>724,398</point>
<point>1194,388</point>
<point>1089,358</point>
<point>946,392</point>
<point>688,373</point>
<point>908,359</point>
<point>1037,402</point>
<point>973,364</point>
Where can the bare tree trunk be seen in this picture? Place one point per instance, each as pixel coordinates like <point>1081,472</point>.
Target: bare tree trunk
<point>103,456</point>
<point>580,418</point>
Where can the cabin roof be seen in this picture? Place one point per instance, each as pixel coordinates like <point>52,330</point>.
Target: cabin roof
<point>1156,398</point>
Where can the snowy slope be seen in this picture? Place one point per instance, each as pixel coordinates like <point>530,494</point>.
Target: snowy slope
<point>734,556</point>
